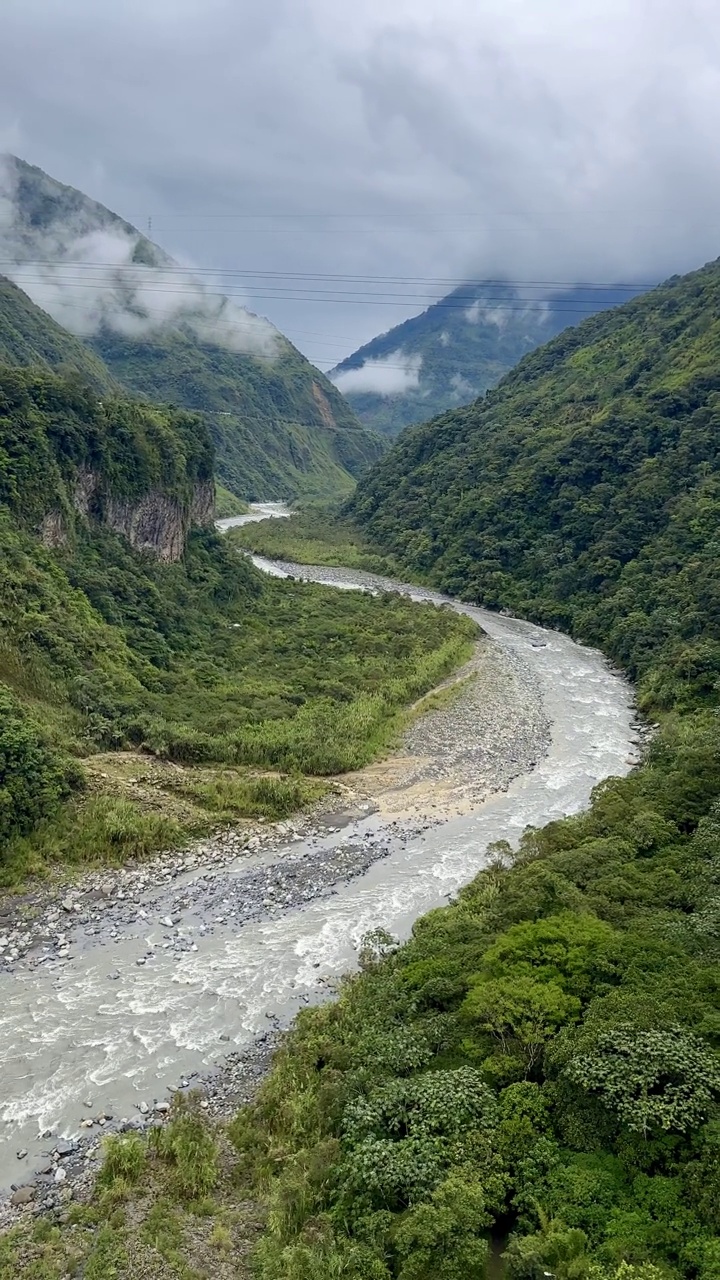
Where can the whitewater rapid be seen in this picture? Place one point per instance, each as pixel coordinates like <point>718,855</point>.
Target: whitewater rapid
<point>68,1033</point>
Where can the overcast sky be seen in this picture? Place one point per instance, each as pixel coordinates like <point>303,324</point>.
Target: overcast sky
<point>423,139</point>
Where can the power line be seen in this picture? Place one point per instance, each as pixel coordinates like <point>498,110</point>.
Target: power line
<point>457,282</point>
<point>326,296</point>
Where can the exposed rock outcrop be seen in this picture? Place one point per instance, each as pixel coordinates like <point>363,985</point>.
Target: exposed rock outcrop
<point>157,523</point>
<point>53,531</point>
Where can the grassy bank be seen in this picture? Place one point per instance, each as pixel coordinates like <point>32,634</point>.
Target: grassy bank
<point>163,1209</point>
<point>228,504</point>
<point>315,535</point>
<point>136,806</point>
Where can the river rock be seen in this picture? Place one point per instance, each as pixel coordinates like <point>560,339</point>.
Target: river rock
<point>23,1195</point>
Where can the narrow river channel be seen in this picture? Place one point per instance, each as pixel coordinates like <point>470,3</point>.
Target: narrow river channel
<point>107,1024</point>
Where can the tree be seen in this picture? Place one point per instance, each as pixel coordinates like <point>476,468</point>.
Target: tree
<point>652,1080</point>
<point>520,1015</point>
<point>442,1239</point>
<point>32,778</point>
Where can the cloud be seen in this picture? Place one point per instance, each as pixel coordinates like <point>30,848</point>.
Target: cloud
<point>91,271</point>
<point>531,140</point>
<point>484,312</point>
<point>463,388</point>
<point>389,376</point>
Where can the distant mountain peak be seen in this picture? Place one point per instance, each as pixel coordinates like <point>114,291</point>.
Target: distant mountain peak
<point>458,348</point>
<point>165,334</point>
<point>91,270</point>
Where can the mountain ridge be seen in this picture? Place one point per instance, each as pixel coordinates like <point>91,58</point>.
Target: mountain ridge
<point>458,348</point>
<point>278,424</point>
<point>558,495</point>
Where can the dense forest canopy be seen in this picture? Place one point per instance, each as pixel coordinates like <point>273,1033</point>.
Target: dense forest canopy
<point>583,492</point>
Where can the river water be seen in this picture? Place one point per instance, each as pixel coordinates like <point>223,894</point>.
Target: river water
<point>68,1033</point>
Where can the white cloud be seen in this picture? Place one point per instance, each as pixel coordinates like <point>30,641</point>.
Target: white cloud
<point>484,312</point>
<point>390,376</point>
<point>525,139</point>
<point>80,267</point>
<point>464,390</point>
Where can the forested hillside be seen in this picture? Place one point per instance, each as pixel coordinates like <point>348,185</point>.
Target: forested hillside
<point>280,428</point>
<point>583,492</point>
<point>457,348</point>
<point>29,336</point>
<point>126,623</point>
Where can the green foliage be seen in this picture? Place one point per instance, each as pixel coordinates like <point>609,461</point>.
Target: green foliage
<point>462,345</point>
<point>443,1239</point>
<point>187,1146</point>
<point>33,780</point>
<point>89,831</point>
<point>436,1104</point>
<point>279,427</point>
<point>583,492</point>
<point>125,1159</point>
<point>226,503</point>
<point>557,1251</point>
<point>521,1015</point>
<point>29,337</point>
<point>651,1079</point>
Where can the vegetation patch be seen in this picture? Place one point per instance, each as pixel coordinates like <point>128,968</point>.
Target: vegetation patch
<point>203,663</point>
<point>315,535</point>
<point>227,504</point>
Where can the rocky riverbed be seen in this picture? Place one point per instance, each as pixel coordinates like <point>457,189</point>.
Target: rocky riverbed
<point>109,991</point>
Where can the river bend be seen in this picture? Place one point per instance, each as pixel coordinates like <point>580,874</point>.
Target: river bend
<point>108,1025</point>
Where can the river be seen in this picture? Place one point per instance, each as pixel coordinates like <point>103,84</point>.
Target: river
<point>107,1026</point>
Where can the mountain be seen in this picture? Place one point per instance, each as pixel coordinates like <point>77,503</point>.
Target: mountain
<point>280,427</point>
<point>584,491</point>
<point>30,337</point>
<point>458,348</point>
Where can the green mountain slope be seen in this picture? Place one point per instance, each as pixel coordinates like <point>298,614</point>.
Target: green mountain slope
<point>29,336</point>
<point>457,348</point>
<point>280,427</point>
<point>584,491</point>
<point>127,623</point>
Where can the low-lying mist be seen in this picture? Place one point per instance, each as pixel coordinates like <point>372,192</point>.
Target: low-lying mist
<point>91,271</point>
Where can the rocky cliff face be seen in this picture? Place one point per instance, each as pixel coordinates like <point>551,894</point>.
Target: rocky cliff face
<point>157,522</point>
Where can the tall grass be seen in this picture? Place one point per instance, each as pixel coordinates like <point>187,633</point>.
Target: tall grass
<point>98,830</point>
